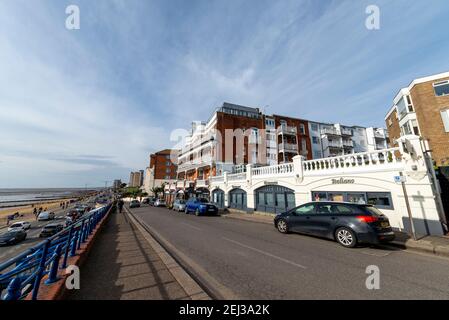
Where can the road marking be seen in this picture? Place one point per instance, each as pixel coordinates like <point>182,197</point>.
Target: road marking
<point>266,253</point>
<point>189,225</point>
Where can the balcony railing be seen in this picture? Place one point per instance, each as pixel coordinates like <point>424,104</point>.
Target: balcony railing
<point>285,168</point>
<point>287,130</point>
<point>346,132</point>
<point>237,176</point>
<point>354,160</point>
<point>288,147</point>
<point>202,183</point>
<point>331,131</point>
<point>348,143</point>
<point>333,144</point>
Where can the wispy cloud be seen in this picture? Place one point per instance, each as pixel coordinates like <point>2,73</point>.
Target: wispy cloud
<point>86,106</point>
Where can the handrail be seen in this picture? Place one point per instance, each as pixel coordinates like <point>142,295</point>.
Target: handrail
<point>23,273</point>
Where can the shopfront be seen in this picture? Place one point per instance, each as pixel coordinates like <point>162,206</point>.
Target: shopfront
<point>218,196</point>
<point>237,199</point>
<point>274,199</point>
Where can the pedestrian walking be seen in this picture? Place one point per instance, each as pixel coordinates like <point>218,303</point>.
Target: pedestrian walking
<point>120,205</point>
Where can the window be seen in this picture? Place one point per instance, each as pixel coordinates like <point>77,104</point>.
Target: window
<point>441,88</point>
<point>305,209</point>
<point>314,127</point>
<point>410,105</point>
<point>380,199</point>
<point>302,129</point>
<point>390,122</point>
<point>316,154</point>
<point>315,140</point>
<point>445,118</point>
<point>402,108</point>
<point>414,124</point>
<point>332,208</point>
<point>167,170</point>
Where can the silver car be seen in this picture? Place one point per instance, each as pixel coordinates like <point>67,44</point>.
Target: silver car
<point>179,205</point>
<point>159,203</point>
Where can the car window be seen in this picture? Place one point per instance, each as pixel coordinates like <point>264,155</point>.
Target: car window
<point>333,209</point>
<point>305,209</point>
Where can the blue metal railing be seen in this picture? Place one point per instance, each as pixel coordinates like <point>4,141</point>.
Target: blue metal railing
<point>23,274</point>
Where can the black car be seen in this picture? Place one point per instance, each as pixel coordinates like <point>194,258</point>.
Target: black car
<point>50,230</point>
<point>12,237</point>
<point>347,223</point>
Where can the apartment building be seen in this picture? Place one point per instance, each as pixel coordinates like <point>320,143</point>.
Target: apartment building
<point>331,140</point>
<point>136,178</point>
<point>422,109</point>
<point>237,135</point>
<point>161,170</point>
<point>293,139</point>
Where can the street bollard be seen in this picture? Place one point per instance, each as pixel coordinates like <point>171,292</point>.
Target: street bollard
<point>53,275</point>
<point>40,270</point>
<point>13,291</point>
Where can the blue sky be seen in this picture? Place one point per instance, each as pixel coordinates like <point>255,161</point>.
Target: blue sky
<point>83,106</point>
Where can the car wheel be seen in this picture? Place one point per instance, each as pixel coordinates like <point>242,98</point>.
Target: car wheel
<point>346,237</point>
<point>282,226</point>
<point>197,212</point>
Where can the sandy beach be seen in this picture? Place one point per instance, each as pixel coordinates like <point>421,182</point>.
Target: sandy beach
<point>27,210</point>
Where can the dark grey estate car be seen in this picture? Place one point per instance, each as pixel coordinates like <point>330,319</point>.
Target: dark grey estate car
<point>347,223</point>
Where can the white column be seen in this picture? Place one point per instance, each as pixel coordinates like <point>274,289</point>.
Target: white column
<point>298,168</point>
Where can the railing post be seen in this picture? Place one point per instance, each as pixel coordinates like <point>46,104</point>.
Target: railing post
<point>53,275</point>
<point>67,248</point>
<point>40,271</point>
<point>74,244</point>
<point>13,291</point>
<point>80,235</point>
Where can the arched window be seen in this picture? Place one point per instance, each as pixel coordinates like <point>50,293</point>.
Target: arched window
<point>237,199</point>
<point>275,199</point>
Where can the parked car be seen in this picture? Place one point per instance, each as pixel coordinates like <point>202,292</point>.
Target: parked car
<point>12,237</point>
<point>159,203</point>
<point>20,225</point>
<point>152,201</point>
<point>134,204</point>
<point>347,223</point>
<point>179,205</point>
<point>50,230</point>
<point>200,206</point>
<point>46,215</point>
<point>146,200</point>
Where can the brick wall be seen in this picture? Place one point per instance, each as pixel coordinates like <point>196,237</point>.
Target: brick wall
<point>427,107</point>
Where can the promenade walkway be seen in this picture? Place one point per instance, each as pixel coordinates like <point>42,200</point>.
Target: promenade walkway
<point>122,265</point>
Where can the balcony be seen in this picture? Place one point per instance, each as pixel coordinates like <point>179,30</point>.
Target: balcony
<point>330,131</point>
<point>348,144</point>
<point>202,183</point>
<point>288,147</point>
<point>287,130</point>
<point>346,132</point>
<point>332,144</point>
<point>180,184</point>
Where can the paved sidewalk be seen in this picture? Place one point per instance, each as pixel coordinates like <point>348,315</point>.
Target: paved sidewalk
<point>122,266</point>
<point>427,244</point>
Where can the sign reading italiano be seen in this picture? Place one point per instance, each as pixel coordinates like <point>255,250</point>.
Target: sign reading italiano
<point>343,181</point>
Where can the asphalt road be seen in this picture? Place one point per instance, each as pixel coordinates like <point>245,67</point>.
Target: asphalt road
<point>32,239</point>
<point>252,260</point>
